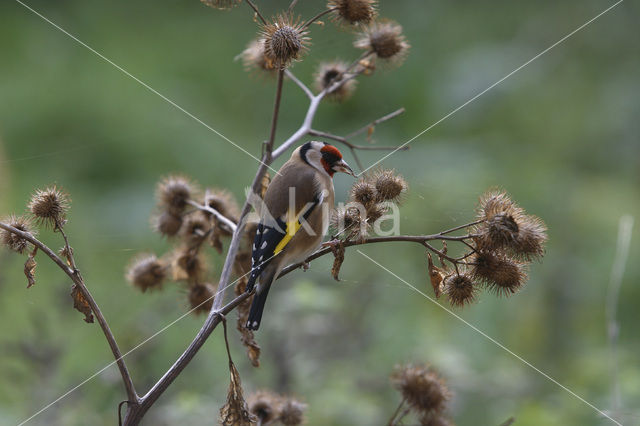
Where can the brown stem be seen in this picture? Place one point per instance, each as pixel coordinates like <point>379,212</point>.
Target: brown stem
<point>420,239</point>
<point>255,9</point>
<point>292,5</point>
<point>77,279</point>
<point>274,118</point>
<point>392,420</point>
<point>376,122</point>
<point>136,412</point>
<point>344,141</point>
<point>219,216</point>
<point>318,16</point>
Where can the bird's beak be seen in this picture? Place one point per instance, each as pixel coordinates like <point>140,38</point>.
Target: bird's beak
<point>342,166</point>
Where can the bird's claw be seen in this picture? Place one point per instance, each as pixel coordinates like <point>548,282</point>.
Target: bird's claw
<point>305,266</point>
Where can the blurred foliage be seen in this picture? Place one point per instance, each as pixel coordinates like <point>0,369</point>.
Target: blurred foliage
<point>561,136</point>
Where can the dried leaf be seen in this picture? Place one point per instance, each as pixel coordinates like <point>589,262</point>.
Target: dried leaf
<point>235,411</point>
<point>66,252</point>
<point>80,303</point>
<point>443,251</point>
<point>436,275</point>
<point>264,184</point>
<point>370,131</point>
<point>246,336</point>
<point>30,267</point>
<point>215,239</point>
<point>338,258</point>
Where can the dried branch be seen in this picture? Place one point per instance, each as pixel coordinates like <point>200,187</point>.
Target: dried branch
<point>376,122</point>
<point>77,279</point>
<point>257,12</point>
<point>219,216</point>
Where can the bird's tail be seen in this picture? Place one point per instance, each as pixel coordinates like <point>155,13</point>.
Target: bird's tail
<point>259,299</point>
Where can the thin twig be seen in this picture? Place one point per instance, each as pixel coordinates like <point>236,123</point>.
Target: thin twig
<point>300,84</point>
<point>344,140</point>
<point>292,5</point>
<point>376,122</point>
<point>77,279</point>
<point>392,420</point>
<point>274,118</point>
<point>625,230</point>
<point>318,16</point>
<point>219,216</point>
<point>255,9</point>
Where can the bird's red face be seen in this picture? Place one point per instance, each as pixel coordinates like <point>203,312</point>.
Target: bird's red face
<point>332,161</point>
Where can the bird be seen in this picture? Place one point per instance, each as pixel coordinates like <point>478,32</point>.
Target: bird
<point>294,217</point>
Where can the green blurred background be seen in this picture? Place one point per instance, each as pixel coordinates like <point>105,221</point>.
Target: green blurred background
<point>561,136</point>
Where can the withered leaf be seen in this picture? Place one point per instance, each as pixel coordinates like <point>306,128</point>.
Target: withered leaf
<point>370,130</point>
<point>436,276</point>
<point>338,259</point>
<point>80,303</point>
<point>215,240</point>
<point>30,268</point>
<point>235,411</point>
<point>444,251</point>
<point>264,184</point>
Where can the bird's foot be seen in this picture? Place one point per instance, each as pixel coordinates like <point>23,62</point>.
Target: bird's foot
<point>305,266</point>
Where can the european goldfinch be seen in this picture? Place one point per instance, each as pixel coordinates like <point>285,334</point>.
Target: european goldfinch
<point>294,217</point>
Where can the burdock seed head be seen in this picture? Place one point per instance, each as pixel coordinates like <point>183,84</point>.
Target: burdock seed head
<point>49,206</point>
<point>422,388</point>
<point>364,192</point>
<point>284,40</point>
<point>460,290</point>
<point>265,406</point>
<point>499,273</point>
<point>389,185</point>
<point>354,11</point>
<point>292,412</point>
<point>173,192</point>
<point>506,226</point>
<point>201,297</point>
<point>330,72</point>
<point>385,39</point>
<point>254,58</point>
<point>167,223</point>
<point>146,271</point>
<point>15,242</point>
<point>221,4</point>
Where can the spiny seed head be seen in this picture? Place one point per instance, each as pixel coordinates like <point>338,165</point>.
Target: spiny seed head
<point>188,265</point>
<point>284,40</point>
<point>167,223</point>
<point>173,192</point>
<point>330,72</point>
<point>146,271</point>
<point>506,226</point>
<point>354,11</point>
<point>292,412</point>
<point>422,388</point>
<point>385,39</point>
<point>375,212</point>
<point>201,297</point>
<point>221,4</point>
<point>434,420</point>
<point>254,58</point>
<point>460,290</point>
<point>389,185</point>
<point>265,406</point>
<point>195,228</point>
<point>364,192</point>
<point>498,272</point>
<point>49,206</point>
<point>15,242</point>
<point>224,202</point>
